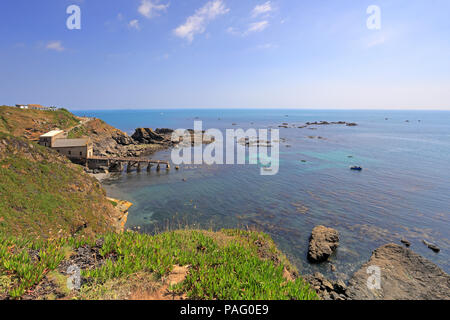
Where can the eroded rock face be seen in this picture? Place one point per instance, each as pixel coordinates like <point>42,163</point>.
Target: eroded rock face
<point>403,275</point>
<point>123,139</point>
<point>164,131</point>
<point>322,243</point>
<point>146,135</point>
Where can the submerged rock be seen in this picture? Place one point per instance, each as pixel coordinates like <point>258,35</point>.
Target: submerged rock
<point>431,246</point>
<point>405,242</point>
<point>403,275</point>
<point>322,243</point>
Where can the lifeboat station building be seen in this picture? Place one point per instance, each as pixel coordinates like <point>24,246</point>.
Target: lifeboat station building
<point>71,148</point>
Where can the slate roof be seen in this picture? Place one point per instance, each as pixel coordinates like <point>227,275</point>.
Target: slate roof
<point>66,143</point>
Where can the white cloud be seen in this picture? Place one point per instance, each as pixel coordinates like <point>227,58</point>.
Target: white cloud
<point>196,24</point>
<point>55,45</point>
<point>134,24</point>
<point>376,41</point>
<point>252,28</point>
<point>257,26</point>
<point>262,8</point>
<point>151,8</point>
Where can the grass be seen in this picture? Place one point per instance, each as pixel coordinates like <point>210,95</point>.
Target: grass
<point>31,123</point>
<point>22,270</point>
<point>226,265</point>
<point>78,132</point>
<point>114,203</point>
<point>44,195</point>
<point>49,208</point>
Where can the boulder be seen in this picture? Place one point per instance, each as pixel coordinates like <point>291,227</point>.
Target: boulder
<point>146,135</point>
<point>403,275</point>
<point>325,288</point>
<point>405,242</point>
<point>164,131</point>
<point>431,246</point>
<point>123,139</point>
<point>322,243</point>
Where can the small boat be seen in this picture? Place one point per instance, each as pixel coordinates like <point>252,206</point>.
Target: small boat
<point>356,168</point>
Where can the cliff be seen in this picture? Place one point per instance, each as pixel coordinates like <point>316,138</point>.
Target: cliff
<point>44,195</point>
<point>184,264</point>
<point>54,217</point>
<point>30,124</point>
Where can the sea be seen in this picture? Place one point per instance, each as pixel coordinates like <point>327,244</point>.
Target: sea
<point>403,191</point>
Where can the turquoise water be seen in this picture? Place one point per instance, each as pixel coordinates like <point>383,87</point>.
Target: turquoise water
<point>403,191</point>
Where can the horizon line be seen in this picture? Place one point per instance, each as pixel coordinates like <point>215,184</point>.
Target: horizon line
<point>255,108</point>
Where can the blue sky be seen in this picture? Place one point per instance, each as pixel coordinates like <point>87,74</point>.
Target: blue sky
<point>226,54</point>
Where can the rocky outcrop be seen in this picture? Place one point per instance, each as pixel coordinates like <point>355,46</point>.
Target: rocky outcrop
<point>121,208</point>
<point>109,141</point>
<point>403,275</point>
<point>319,123</point>
<point>431,246</point>
<point>322,243</point>
<point>164,131</point>
<point>123,139</point>
<point>327,289</point>
<point>146,135</point>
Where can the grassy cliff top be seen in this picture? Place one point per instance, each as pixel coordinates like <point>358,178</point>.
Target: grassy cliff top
<point>195,264</point>
<point>30,124</point>
<point>42,194</point>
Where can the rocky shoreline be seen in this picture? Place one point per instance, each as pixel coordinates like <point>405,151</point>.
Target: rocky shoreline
<point>393,272</point>
<point>403,273</point>
<point>286,125</point>
<point>111,142</point>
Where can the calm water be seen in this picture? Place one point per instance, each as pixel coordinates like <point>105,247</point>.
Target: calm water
<point>403,191</point>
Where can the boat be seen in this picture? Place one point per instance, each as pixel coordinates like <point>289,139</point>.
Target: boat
<point>356,168</point>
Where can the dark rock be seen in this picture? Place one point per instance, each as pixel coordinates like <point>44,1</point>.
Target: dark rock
<point>327,289</point>
<point>322,243</point>
<point>124,140</point>
<point>403,275</point>
<point>146,135</point>
<point>164,131</point>
<point>431,246</point>
<point>327,285</point>
<point>405,242</point>
<point>335,296</point>
<point>340,287</point>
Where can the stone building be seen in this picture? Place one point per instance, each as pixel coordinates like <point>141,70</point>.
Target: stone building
<point>48,139</point>
<point>71,148</point>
